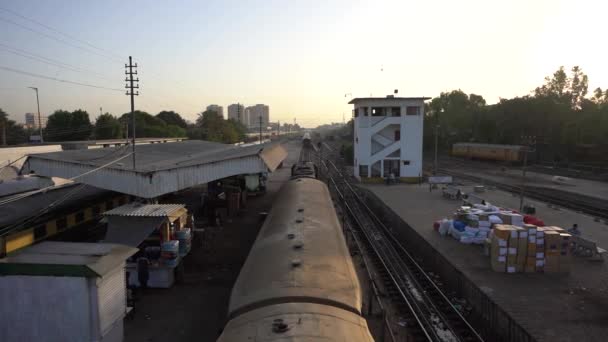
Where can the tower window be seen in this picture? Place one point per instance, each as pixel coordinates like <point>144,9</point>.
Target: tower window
<point>412,110</point>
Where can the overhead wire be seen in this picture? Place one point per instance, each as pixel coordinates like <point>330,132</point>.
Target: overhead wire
<point>81,42</point>
<point>17,71</point>
<point>116,56</point>
<point>87,47</point>
<point>55,38</point>
<point>49,61</point>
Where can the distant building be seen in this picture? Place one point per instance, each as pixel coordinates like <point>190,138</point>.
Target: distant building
<point>216,108</point>
<point>237,112</point>
<point>31,120</point>
<point>255,112</point>
<point>388,137</point>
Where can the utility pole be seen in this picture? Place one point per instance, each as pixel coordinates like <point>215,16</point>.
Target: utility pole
<point>131,86</point>
<point>39,118</point>
<point>279,128</point>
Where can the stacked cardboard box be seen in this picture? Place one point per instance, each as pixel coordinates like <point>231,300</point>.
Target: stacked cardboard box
<point>530,265</point>
<point>540,249</point>
<point>522,249</point>
<point>552,251</point>
<point>511,218</point>
<point>564,255</point>
<point>529,249</point>
<point>499,248</point>
<point>513,250</point>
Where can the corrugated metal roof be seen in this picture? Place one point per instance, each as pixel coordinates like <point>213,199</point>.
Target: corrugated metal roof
<point>78,259</point>
<point>499,146</point>
<point>25,207</point>
<point>153,157</point>
<point>161,168</point>
<point>147,210</point>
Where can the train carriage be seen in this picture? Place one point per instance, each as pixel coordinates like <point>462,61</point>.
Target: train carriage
<point>298,282</point>
<point>505,153</point>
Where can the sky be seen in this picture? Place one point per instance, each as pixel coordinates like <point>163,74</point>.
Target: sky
<point>305,59</point>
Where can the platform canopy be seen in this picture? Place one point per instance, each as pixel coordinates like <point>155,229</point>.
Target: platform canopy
<point>159,168</point>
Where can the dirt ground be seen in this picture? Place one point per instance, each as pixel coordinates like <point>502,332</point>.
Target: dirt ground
<point>195,310</point>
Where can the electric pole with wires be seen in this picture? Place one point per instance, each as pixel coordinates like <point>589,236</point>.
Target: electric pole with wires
<point>131,91</point>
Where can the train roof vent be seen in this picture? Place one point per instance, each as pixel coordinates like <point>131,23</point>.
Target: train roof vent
<point>290,236</point>
<point>299,220</point>
<point>300,210</point>
<point>279,326</point>
<point>298,245</point>
<point>296,263</point>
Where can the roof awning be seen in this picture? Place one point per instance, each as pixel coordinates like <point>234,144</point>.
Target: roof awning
<point>131,231</point>
<point>159,168</point>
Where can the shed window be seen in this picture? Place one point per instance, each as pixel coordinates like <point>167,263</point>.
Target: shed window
<point>406,162</point>
<point>355,113</point>
<point>365,111</point>
<point>396,111</point>
<point>413,110</point>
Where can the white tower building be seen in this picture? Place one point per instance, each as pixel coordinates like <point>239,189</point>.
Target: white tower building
<point>388,137</point>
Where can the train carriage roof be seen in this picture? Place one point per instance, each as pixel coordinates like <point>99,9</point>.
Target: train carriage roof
<point>494,146</point>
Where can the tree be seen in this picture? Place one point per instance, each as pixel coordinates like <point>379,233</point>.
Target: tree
<point>563,89</point>
<point>65,126</point>
<point>211,126</point>
<point>108,127</point>
<point>146,125</point>
<point>239,129</point>
<point>16,134</point>
<point>211,123</point>
<point>3,124</point>
<point>172,118</point>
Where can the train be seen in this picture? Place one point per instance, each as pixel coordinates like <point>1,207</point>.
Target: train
<point>503,153</point>
<point>299,282</point>
<point>306,140</point>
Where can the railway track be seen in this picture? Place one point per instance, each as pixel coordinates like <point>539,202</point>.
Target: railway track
<point>428,313</point>
<point>584,204</point>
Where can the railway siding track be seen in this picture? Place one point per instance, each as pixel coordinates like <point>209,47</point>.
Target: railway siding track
<point>585,204</point>
<point>429,314</point>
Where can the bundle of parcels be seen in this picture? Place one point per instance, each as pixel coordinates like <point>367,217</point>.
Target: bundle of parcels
<point>473,224</point>
<point>529,249</point>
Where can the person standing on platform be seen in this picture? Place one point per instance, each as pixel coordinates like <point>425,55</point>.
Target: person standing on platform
<point>574,230</point>
<point>143,272</point>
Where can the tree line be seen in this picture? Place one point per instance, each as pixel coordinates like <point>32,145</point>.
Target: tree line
<point>559,118</point>
<point>64,125</point>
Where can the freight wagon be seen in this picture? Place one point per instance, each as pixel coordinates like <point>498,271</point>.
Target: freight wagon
<point>505,153</point>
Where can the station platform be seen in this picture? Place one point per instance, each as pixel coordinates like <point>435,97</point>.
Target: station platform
<point>549,307</point>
